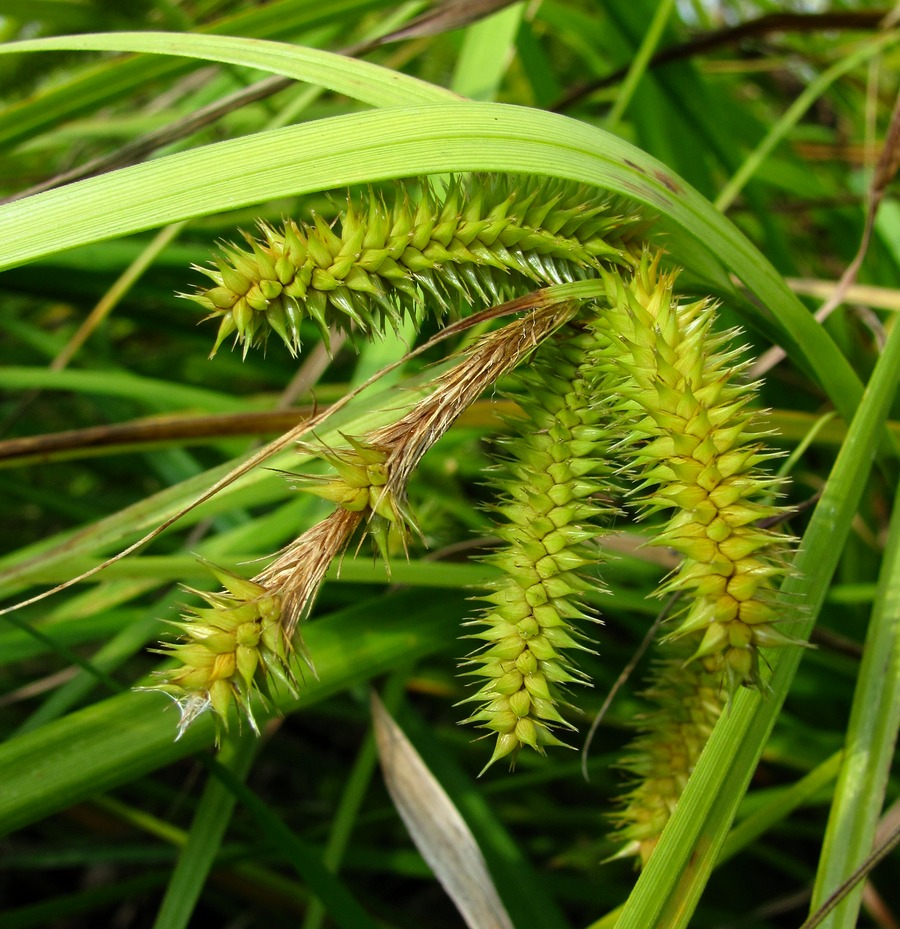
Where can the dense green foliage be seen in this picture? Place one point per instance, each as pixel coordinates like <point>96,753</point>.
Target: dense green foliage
<point>751,159</point>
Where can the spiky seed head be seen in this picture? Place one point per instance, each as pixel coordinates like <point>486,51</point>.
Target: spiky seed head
<point>227,652</point>
<point>686,699</point>
<point>699,457</point>
<point>487,236</point>
<point>360,485</point>
<point>547,501</point>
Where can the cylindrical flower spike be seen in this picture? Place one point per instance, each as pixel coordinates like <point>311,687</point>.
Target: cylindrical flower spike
<point>250,634</point>
<point>485,237</point>
<point>228,652</point>
<point>687,700</point>
<point>558,463</point>
<point>697,453</point>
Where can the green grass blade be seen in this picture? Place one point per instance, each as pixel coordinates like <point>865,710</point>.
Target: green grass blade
<point>795,112</point>
<point>113,653</point>
<point>784,802</point>
<point>355,789</point>
<point>155,393</point>
<point>60,553</point>
<point>358,80</point>
<point>758,823</point>
<point>27,566</point>
<point>342,906</point>
<point>112,81</point>
<point>639,63</point>
<point>264,879</point>
<point>670,886</point>
<point>871,736</point>
<point>64,14</point>
<point>205,838</point>
<point>486,52</point>
<point>186,568</point>
<point>398,142</point>
<point>117,740</point>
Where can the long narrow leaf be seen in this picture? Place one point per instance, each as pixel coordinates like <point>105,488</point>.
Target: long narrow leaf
<point>204,840</point>
<point>871,737</point>
<point>398,142</point>
<point>110,81</point>
<point>116,740</point>
<point>356,79</point>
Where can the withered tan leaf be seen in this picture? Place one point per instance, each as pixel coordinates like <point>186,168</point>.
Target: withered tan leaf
<point>436,826</point>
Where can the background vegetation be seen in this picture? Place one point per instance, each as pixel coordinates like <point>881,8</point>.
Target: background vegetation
<point>761,136</point>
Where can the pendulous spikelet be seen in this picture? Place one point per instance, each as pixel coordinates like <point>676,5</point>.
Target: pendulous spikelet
<point>633,389</point>
<point>558,467</point>
<point>371,475</point>
<point>645,394</point>
<point>686,701</point>
<point>228,652</point>
<point>482,239</point>
<point>697,450</point>
<point>368,484</point>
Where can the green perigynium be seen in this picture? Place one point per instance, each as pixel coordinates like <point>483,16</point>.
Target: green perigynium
<point>359,484</point>
<point>228,651</point>
<point>484,238</point>
<point>686,699</point>
<point>559,465</point>
<point>697,450</point>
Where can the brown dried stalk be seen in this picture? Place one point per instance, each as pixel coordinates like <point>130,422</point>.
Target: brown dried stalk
<point>300,568</point>
<point>493,356</point>
<point>298,571</point>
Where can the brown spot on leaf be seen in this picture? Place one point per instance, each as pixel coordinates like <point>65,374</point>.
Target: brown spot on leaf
<point>667,181</point>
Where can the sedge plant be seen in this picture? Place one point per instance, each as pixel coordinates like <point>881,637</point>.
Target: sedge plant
<point>547,253</point>
<point>630,397</point>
